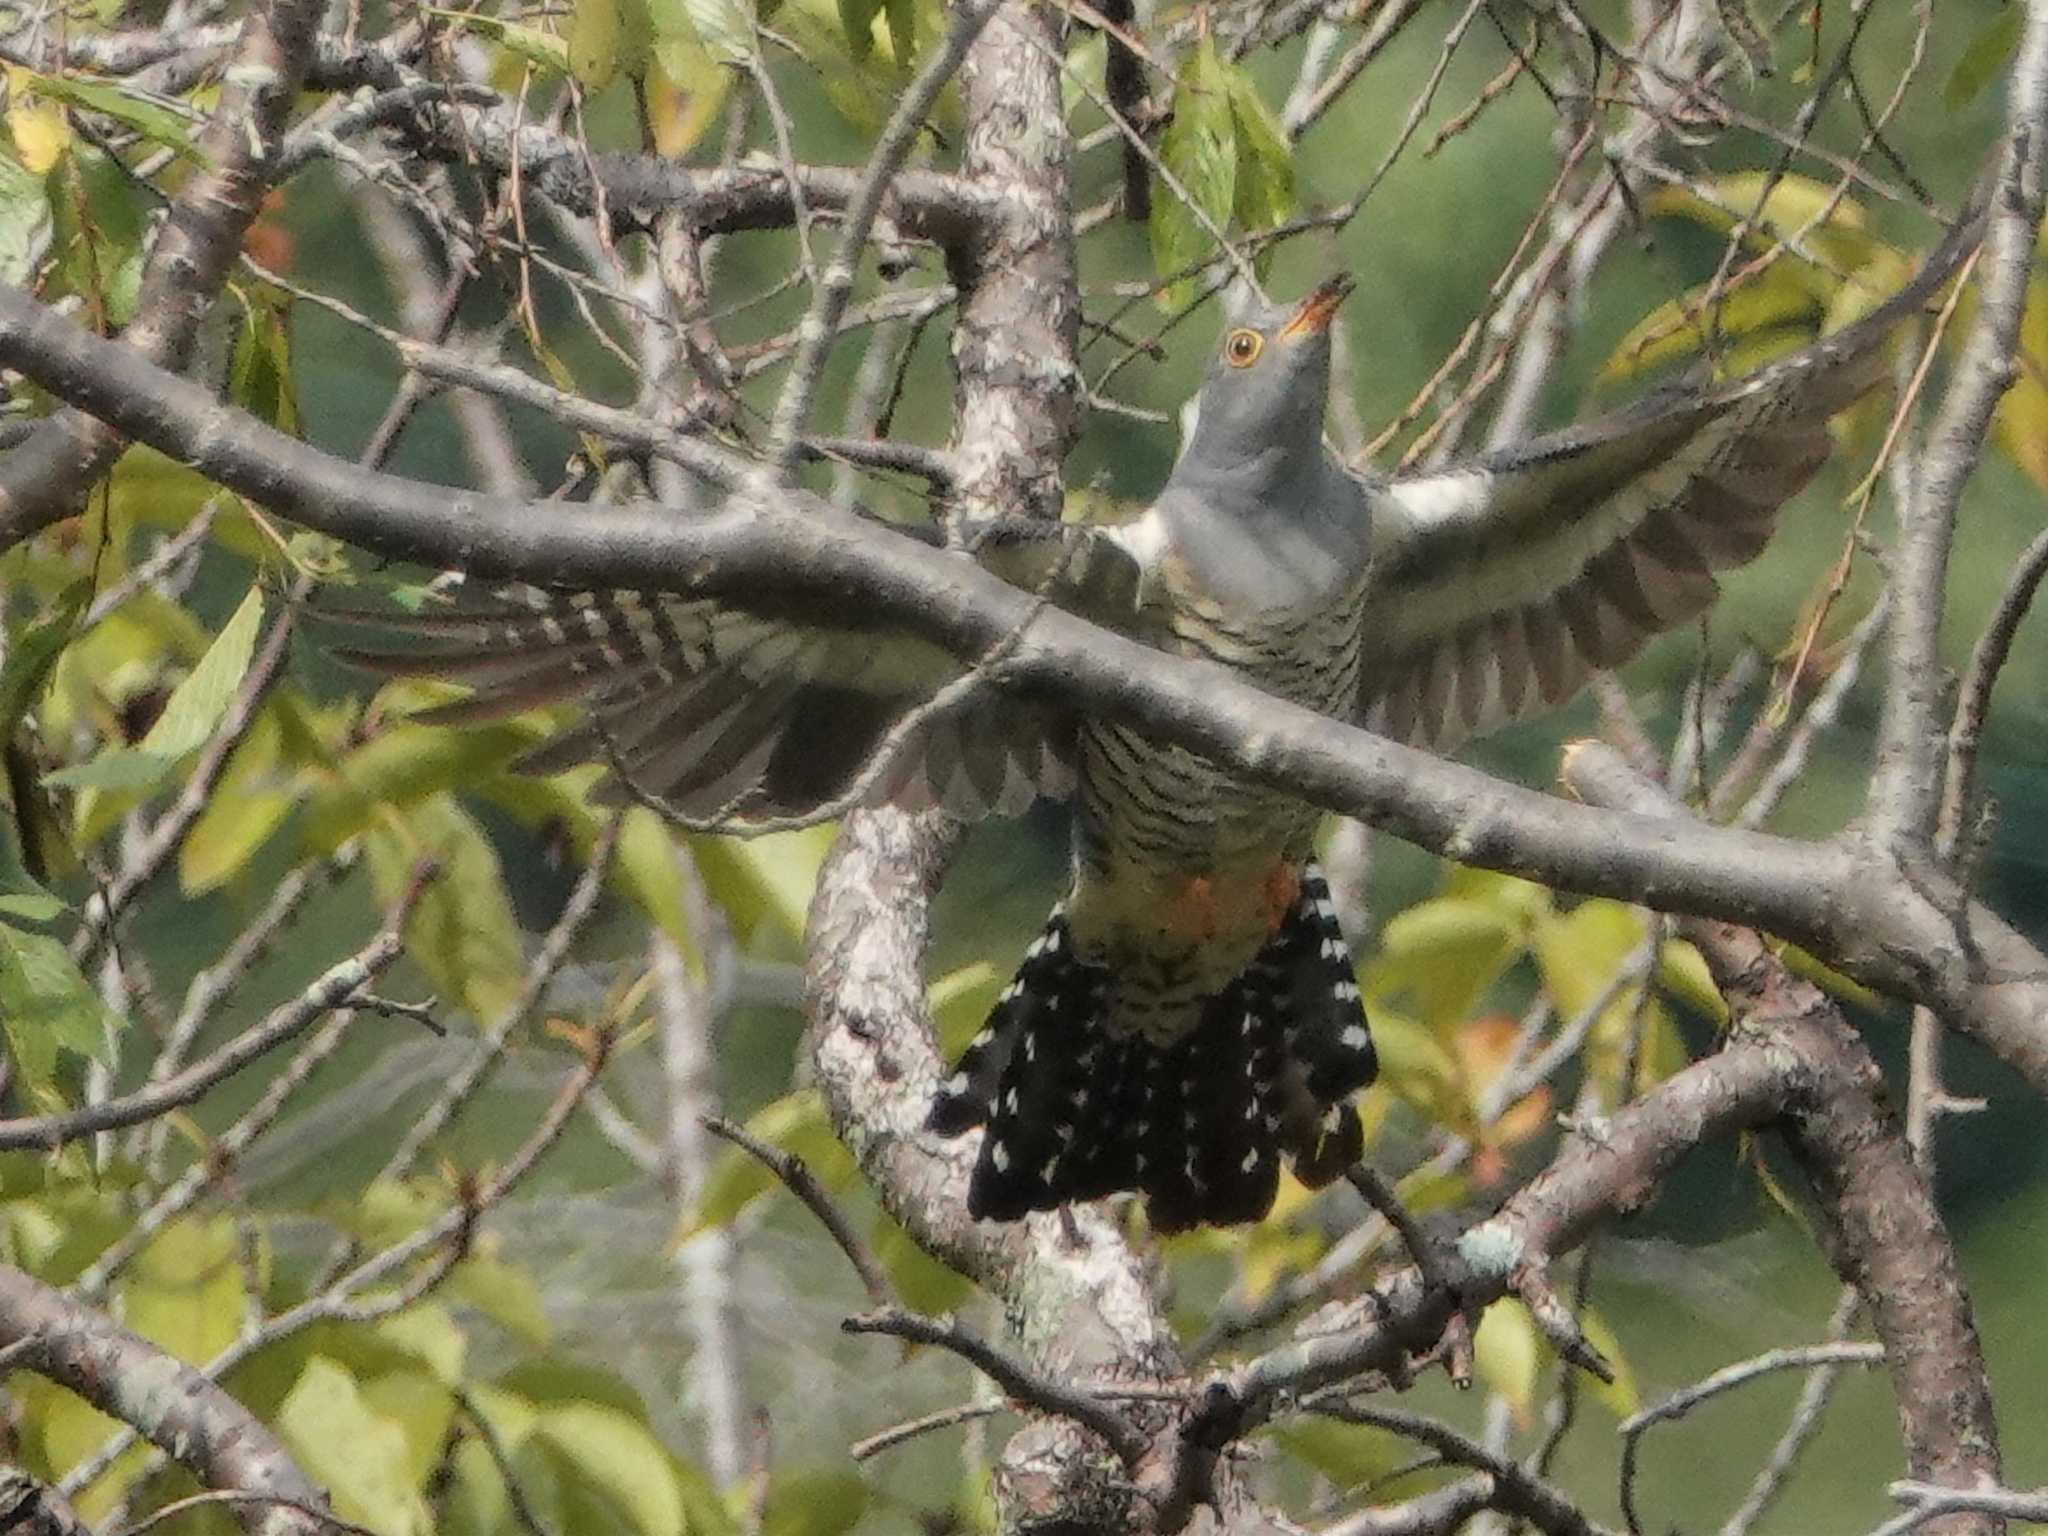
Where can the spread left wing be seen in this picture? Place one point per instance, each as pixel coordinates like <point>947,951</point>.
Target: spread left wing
<point>718,713</point>
<point>1503,583</point>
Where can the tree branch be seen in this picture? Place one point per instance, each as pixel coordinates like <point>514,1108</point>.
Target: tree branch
<point>171,1404</point>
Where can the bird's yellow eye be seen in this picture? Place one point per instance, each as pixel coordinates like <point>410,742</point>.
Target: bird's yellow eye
<point>1241,348</point>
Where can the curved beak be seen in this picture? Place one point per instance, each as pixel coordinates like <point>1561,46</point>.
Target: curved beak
<point>1312,317</point>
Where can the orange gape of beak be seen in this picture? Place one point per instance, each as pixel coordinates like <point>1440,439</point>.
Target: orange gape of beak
<point>1316,310</point>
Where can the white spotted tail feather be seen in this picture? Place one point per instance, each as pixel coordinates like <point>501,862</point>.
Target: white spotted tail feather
<point>1198,1125</point>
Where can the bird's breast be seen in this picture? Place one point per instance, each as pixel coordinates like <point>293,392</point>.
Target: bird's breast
<point>1178,863</point>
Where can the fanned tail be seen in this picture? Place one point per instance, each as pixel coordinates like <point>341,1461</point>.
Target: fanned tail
<point>1198,1126</point>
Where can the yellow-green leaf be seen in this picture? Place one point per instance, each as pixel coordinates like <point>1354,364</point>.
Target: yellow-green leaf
<point>1199,147</point>
<point>462,932</point>
<point>357,1455</point>
<point>1508,1353</point>
<point>616,1458</point>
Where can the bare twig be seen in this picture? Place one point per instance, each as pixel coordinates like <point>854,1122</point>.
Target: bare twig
<point>1022,1384</point>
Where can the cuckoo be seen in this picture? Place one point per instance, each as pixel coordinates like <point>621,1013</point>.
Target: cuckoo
<point>1190,1016</point>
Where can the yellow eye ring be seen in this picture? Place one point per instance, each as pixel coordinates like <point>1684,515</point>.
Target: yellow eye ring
<point>1241,348</point>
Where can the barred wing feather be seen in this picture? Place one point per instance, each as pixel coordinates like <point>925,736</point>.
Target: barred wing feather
<point>718,713</point>
<point>1503,583</point>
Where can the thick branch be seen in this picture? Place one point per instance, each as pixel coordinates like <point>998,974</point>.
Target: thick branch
<point>796,555</point>
<point>174,1406</point>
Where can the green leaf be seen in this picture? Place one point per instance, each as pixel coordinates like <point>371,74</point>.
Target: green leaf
<point>427,1331</point>
<point>1833,228</point>
<point>1416,1065</point>
<point>920,1281</point>
<point>47,1004</point>
<point>257,792</point>
<point>1346,1454</point>
<point>617,1459</point>
<point>823,1502</point>
<point>858,18</point>
<point>1580,952</point>
<point>34,653</point>
<point>529,43</point>
<point>185,1292</point>
<point>357,1455</point>
<point>155,122</point>
<point>607,39</point>
<point>505,1293</point>
<point>260,378</point>
<point>795,1123</point>
<point>421,1408</point>
<point>1264,195</point>
<point>1508,1353</point>
<point>190,716</point>
<point>763,884</point>
<point>99,220</point>
<point>1683,973</point>
<point>408,763</point>
<point>1440,956</point>
<point>1985,60</point>
<point>24,218</point>
<point>1778,297</point>
<point>462,932</point>
<point>960,1002</point>
<point>1200,148</point>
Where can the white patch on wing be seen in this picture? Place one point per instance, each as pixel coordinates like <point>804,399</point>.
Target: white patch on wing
<point>1144,539</point>
<point>1449,497</point>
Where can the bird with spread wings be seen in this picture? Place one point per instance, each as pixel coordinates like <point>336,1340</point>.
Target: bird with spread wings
<point>1189,1017</point>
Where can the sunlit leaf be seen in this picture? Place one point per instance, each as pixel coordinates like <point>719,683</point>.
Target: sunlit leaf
<point>763,883</point>
<point>24,219</point>
<point>420,1408</point>
<point>46,1004</point>
<point>1832,227</point>
<point>1620,1396</point>
<point>1415,1064</point>
<point>255,795</point>
<point>151,119</point>
<point>1199,147</point>
<point>960,1002</point>
<point>359,1457</point>
<point>1802,963</point>
<point>1347,1454</point>
<point>462,932</point>
<point>1438,958</point>
<point>1508,1353</point>
<point>1777,298</point>
<point>1683,973</point>
<point>185,1292</point>
<point>39,128</point>
<point>190,716</point>
<point>427,1331</point>
<point>608,39</point>
<point>619,1460</point>
<point>506,1293</point>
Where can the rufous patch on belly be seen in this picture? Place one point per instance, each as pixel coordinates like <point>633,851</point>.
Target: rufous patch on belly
<point>1282,888</point>
<point>1192,914</point>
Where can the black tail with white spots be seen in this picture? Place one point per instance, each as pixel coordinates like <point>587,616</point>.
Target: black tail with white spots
<point>1198,1126</point>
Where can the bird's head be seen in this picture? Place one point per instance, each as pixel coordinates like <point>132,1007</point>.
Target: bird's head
<point>1260,415</point>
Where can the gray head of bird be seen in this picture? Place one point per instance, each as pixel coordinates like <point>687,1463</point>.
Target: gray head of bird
<point>1259,422</point>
